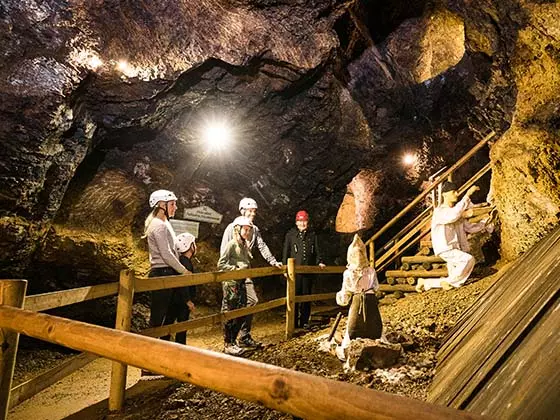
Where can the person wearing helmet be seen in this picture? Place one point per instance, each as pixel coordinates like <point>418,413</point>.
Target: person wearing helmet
<point>236,256</point>
<point>248,208</point>
<point>164,259</point>
<point>301,243</point>
<point>181,304</point>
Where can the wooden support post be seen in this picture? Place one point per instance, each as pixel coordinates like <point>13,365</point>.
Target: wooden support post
<point>123,323</point>
<point>291,298</point>
<point>12,293</point>
<point>371,254</point>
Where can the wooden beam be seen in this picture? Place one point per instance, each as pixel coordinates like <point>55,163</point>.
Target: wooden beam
<point>51,300</point>
<point>315,269</point>
<point>291,298</point>
<point>292,392</point>
<point>122,323</point>
<point>12,294</point>
<point>144,284</point>
<point>419,259</point>
<point>40,382</point>
<point>319,296</point>
<point>417,273</point>
<point>218,318</point>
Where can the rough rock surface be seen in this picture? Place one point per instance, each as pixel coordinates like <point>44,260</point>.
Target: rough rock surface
<point>108,101</point>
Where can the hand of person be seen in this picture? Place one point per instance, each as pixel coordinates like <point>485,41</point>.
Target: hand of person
<point>321,265</point>
<point>472,190</point>
<point>489,227</point>
<point>278,265</point>
<point>190,305</point>
<point>468,213</point>
<point>242,265</point>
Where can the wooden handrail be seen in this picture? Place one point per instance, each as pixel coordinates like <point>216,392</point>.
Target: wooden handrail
<point>423,195</point>
<point>281,389</point>
<point>144,284</point>
<point>51,300</point>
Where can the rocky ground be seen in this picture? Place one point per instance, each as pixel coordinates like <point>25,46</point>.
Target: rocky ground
<point>424,317</point>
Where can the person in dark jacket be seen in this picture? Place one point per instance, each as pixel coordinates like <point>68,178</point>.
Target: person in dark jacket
<point>301,243</point>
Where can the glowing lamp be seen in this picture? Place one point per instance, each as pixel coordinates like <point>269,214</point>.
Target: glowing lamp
<point>216,136</point>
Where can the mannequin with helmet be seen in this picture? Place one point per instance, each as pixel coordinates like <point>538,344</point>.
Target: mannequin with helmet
<point>301,243</point>
<point>248,208</point>
<point>236,256</point>
<point>164,258</point>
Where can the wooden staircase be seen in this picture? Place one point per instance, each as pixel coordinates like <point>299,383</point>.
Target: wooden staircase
<point>423,264</point>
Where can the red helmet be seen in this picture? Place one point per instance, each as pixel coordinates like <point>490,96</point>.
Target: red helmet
<point>302,215</point>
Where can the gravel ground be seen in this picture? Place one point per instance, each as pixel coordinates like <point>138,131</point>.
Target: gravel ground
<point>426,318</point>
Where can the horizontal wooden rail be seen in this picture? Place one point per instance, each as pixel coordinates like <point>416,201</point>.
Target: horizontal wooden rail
<point>318,296</point>
<point>144,284</point>
<point>281,389</point>
<point>220,317</point>
<point>40,382</point>
<point>315,269</point>
<point>426,192</point>
<point>52,300</point>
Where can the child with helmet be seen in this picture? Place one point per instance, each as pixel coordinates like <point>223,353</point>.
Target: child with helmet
<point>181,304</point>
<point>164,258</point>
<point>359,285</point>
<point>236,256</point>
<point>248,208</point>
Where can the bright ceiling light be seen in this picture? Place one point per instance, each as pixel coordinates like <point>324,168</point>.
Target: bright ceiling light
<point>409,159</point>
<point>217,136</point>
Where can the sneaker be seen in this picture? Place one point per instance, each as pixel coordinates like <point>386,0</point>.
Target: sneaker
<point>248,342</point>
<point>233,350</point>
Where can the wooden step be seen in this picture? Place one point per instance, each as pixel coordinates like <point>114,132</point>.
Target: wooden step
<point>419,259</point>
<point>416,273</point>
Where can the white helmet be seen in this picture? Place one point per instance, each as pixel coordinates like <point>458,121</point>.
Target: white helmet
<point>248,203</point>
<point>184,241</point>
<point>242,221</point>
<point>161,195</point>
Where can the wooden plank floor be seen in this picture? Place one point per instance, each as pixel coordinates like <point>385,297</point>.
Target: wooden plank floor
<point>495,329</point>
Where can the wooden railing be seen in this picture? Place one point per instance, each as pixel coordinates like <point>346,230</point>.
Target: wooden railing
<point>395,245</point>
<point>281,389</point>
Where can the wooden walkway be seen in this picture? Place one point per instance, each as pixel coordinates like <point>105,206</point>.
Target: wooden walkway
<point>502,358</point>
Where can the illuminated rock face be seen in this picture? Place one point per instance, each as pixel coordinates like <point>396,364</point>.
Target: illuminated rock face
<point>103,102</point>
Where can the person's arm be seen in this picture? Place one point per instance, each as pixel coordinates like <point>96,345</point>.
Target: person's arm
<point>227,236</point>
<point>263,248</point>
<point>475,227</point>
<point>287,247</point>
<point>225,261</point>
<point>446,215</point>
<point>167,255</point>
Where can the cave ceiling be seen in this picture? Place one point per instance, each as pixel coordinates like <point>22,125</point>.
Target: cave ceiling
<point>105,101</point>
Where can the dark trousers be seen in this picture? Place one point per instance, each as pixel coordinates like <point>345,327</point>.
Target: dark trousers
<point>168,306</point>
<point>304,284</point>
<point>234,297</point>
<point>251,300</point>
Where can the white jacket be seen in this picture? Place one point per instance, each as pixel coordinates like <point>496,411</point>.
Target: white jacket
<point>449,228</point>
<point>356,281</point>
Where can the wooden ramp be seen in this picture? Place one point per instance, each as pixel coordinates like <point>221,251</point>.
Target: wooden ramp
<point>502,359</point>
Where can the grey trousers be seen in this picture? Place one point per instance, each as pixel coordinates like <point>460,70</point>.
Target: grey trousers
<point>252,300</point>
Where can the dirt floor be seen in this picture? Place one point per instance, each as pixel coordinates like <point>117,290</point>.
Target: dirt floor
<point>424,317</point>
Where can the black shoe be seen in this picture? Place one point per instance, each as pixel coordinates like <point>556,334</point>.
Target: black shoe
<point>248,342</point>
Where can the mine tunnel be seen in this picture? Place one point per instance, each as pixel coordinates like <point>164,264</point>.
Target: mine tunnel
<point>328,140</point>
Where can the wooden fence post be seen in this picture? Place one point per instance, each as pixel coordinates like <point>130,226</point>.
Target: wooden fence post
<point>371,254</point>
<point>12,293</point>
<point>123,323</point>
<point>291,298</point>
